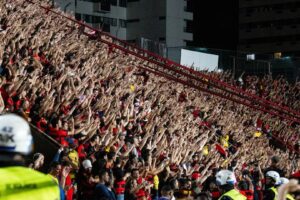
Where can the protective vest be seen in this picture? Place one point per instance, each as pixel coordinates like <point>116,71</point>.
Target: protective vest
<point>288,196</point>
<point>275,192</point>
<point>24,183</point>
<point>234,195</point>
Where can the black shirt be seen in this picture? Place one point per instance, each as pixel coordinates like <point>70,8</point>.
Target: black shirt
<point>268,195</point>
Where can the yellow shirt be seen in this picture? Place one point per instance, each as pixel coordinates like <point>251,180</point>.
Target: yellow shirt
<point>224,141</point>
<point>205,150</point>
<point>257,134</point>
<point>73,155</point>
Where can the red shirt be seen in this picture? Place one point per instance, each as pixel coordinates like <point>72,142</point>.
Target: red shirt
<point>42,124</point>
<point>4,94</point>
<point>68,184</point>
<point>141,192</point>
<point>215,194</point>
<point>248,193</point>
<point>66,109</point>
<point>81,152</point>
<point>259,123</point>
<point>57,133</point>
<point>221,150</point>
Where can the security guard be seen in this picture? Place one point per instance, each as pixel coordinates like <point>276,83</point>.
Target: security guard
<point>225,180</point>
<point>272,182</point>
<point>17,181</point>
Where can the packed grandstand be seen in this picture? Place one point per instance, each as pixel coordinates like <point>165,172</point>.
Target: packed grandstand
<point>127,132</point>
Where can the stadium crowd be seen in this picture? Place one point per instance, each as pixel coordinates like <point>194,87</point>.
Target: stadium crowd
<point>128,134</point>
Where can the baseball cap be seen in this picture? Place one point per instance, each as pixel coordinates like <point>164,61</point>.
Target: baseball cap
<point>87,164</point>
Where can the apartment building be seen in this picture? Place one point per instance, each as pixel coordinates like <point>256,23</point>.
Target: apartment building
<point>270,26</point>
<point>164,21</point>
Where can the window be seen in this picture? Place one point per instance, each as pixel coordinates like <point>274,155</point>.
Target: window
<point>162,39</point>
<point>189,26</point>
<point>105,5</point>
<point>131,41</point>
<point>132,20</point>
<point>106,27</point>
<point>88,18</point>
<point>114,2</point>
<point>114,22</point>
<point>123,3</point>
<point>189,6</point>
<point>122,23</point>
<point>97,19</point>
<point>249,12</point>
<point>78,16</point>
<point>188,43</point>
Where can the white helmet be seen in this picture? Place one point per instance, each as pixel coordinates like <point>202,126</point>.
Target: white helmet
<point>224,177</point>
<point>15,135</point>
<point>284,180</point>
<point>275,176</point>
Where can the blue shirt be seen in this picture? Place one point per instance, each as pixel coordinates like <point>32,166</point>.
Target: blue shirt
<point>103,191</point>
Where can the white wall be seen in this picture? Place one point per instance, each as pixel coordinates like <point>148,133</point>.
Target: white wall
<point>175,23</point>
<point>200,61</point>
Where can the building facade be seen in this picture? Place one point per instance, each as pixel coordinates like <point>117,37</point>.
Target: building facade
<point>269,27</point>
<point>164,21</point>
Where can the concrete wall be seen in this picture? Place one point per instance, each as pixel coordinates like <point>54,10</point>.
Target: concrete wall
<point>175,23</point>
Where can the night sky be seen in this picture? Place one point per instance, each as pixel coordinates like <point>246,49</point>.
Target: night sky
<point>216,24</point>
